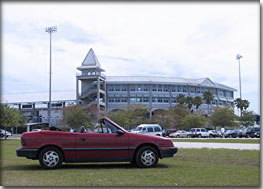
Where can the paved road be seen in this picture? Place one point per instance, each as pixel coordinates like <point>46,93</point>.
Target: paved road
<point>198,145</point>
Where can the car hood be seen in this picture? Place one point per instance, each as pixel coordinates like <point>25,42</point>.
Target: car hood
<point>147,136</point>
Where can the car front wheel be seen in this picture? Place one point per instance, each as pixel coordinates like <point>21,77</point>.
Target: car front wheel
<point>147,157</point>
<point>50,158</point>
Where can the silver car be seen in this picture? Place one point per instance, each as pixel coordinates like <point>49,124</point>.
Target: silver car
<point>179,134</point>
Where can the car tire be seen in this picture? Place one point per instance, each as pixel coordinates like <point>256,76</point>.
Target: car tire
<point>199,136</point>
<point>188,136</point>
<point>210,136</point>
<point>177,136</point>
<point>50,158</point>
<point>158,135</point>
<point>146,157</point>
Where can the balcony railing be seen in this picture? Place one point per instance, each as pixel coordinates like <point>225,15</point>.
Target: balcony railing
<point>90,75</point>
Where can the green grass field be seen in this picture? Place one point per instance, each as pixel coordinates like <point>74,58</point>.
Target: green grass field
<point>218,140</point>
<point>189,167</point>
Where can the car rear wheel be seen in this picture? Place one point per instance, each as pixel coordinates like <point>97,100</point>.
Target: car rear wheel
<point>147,157</point>
<point>177,136</point>
<point>210,136</point>
<point>50,158</point>
<point>199,136</point>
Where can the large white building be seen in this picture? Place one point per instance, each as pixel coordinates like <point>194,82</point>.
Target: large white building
<point>110,93</point>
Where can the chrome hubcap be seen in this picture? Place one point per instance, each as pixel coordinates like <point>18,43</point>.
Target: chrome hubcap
<point>51,158</point>
<point>148,158</point>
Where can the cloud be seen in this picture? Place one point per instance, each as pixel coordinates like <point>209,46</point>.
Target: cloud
<point>192,40</point>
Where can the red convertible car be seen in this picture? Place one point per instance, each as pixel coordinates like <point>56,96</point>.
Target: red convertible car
<point>107,143</point>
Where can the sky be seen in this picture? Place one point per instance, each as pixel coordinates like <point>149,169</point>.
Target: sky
<point>173,39</point>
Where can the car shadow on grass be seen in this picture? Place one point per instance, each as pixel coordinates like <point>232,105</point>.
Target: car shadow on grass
<point>77,166</point>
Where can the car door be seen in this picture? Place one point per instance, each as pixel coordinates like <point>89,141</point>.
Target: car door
<point>103,145</point>
<point>184,134</point>
<point>150,131</point>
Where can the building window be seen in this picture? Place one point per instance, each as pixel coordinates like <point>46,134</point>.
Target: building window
<point>145,99</point>
<point>27,106</point>
<point>220,93</point>
<point>154,88</point>
<point>184,89</point>
<point>160,88</point>
<point>192,89</point>
<point>123,88</point>
<point>166,88</point>
<point>166,100</point>
<point>111,99</point>
<point>132,87</point>
<point>111,88</point>
<point>173,88</point>
<point>160,100</point>
<point>117,100</point>
<point>229,94</point>
<point>198,90</point>
<point>117,88</point>
<point>179,89</point>
<point>145,88</point>
<point>123,99</point>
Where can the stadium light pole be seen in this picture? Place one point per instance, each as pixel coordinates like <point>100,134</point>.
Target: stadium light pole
<point>238,58</point>
<point>50,30</point>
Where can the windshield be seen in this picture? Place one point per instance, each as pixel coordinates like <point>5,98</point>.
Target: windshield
<point>138,129</point>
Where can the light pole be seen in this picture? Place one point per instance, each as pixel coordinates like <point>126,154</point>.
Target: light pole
<point>238,58</point>
<point>50,30</point>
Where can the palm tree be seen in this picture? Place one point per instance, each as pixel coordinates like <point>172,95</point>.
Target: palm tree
<point>208,97</point>
<point>189,101</point>
<point>180,99</point>
<point>197,102</point>
<point>246,104</point>
<point>241,104</point>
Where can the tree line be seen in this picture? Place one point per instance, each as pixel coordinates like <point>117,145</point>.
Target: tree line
<point>185,114</point>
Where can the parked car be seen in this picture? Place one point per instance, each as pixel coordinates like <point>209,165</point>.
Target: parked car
<point>232,133</point>
<point>250,132</point>
<point>4,133</point>
<point>213,134</point>
<point>198,132</point>
<point>179,133</point>
<point>167,132</point>
<point>113,143</point>
<point>149,129</point>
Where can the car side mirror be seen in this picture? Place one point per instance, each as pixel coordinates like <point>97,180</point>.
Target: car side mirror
<point>119,132</point>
